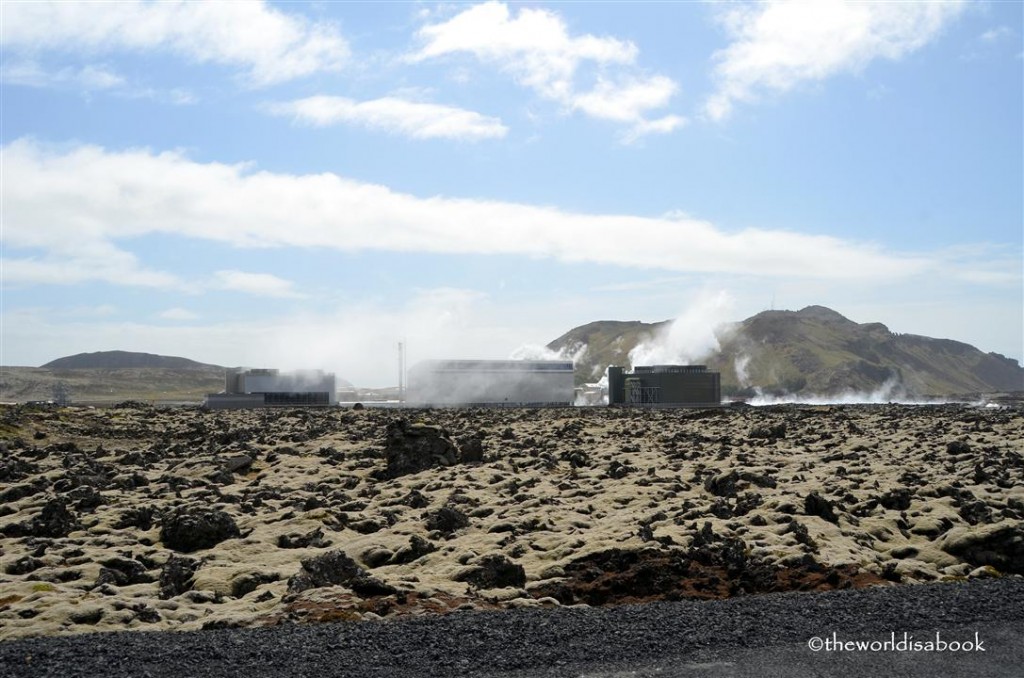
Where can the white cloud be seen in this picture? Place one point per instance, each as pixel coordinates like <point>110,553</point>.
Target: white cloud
<point>985,45</point>
<point>996,34</point>
<point>625,102</point>
<point>536,48</point>
<point>535,45</point>
<point>74,204</point>
<point>100,311</point>
<point>97,260</point>
<point>90,77</point>
<point>643,128</point>
<point>271,45</point>
<point>778,45</point>
<point>395,115</point>
<point>177,314</point>
<point>258,284</point>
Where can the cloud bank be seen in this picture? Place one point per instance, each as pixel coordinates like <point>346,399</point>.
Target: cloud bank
<point>70,207</point>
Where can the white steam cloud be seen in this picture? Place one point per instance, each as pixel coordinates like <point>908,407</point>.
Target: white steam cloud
<point>689,338</point>
<point>892,391</point>
<point>740,365</point>
<point>576,353</point>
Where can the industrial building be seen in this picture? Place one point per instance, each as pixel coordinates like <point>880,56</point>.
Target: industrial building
<point>245,388</point>
<point>491,382</point>
<point>665,386</point>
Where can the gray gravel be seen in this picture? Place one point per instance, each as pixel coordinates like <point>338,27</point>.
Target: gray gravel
<point>755,636</point>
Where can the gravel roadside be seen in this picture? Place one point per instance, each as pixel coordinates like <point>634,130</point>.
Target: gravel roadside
<point>757,635</point>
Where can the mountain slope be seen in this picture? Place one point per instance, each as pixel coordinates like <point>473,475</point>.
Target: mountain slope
<point>817,351</point>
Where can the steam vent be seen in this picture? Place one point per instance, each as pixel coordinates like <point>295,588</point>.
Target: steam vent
<point>665,386</point>
<point>492,382</point>
<point>273,388</point>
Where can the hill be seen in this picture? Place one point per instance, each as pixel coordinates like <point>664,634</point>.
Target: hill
<point>99,385</point>
<point>115,360</point>
<point>607,342</point>
<point>812,351</point>
<point>115,376</point>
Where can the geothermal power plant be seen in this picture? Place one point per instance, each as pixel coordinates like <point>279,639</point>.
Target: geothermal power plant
<point>482,383</point>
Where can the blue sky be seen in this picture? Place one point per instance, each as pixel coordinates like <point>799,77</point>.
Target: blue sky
<point>306,184</point>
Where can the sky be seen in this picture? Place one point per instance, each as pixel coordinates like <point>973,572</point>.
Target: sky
<point>304,185</point>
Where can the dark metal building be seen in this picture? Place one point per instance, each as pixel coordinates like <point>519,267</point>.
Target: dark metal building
<point>665,386</point>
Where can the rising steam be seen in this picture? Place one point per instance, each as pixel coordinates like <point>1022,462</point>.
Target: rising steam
<point>576,353</point>
<point>891,391</point>
<point>691,337</point>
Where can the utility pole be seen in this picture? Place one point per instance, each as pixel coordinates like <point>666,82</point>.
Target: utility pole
<point>401,372</point>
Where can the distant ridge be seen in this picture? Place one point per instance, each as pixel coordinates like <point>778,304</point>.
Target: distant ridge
<point>811,351</point>
<point>114,360</point>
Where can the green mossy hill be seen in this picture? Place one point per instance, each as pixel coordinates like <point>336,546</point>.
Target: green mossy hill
<point>112,360</point>
<point>607,342</point>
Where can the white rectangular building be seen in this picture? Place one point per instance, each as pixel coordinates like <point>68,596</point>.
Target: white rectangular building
<point>491,382</point>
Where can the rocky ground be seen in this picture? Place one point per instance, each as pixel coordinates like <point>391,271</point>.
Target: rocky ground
<point>139,518</point>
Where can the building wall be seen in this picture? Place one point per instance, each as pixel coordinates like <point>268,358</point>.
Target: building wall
<point>233,401</point>
<point>664,385</point>
<point>491,382</point>
<point>287,382</point>
<point>276,388</point>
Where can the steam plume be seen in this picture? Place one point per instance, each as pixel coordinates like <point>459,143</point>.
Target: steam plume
<point>689,338</point>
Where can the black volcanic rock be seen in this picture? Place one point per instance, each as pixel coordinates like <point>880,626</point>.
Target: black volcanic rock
<point>333,567</point>
<point>176,576</point>
<point>414,447</point>
<point>816,505</point>
<point>446,520</point>
<point>1000,546</point>
<point>188,529</point>
<point>417,548</point>
<point>54,521</point>
<point>313,538</point>
<point>494,571</point>
<point>23,565</point>
<point>122,572</point>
